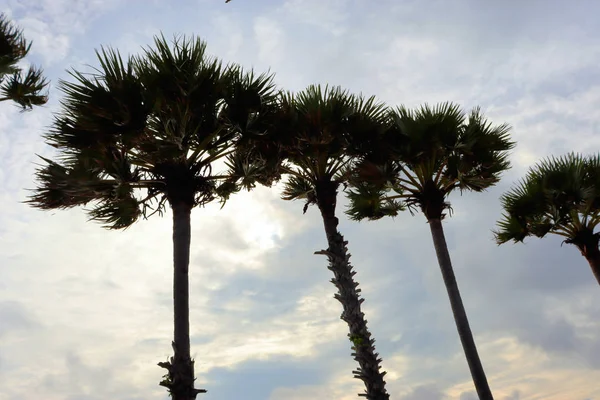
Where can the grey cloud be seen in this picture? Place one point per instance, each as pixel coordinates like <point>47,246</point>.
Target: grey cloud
<point>76,378</point>
<point>426,392</point>
<point>255,379</point>
<point>15,318</point>
<point>516,395</point>
<point>471,395</point>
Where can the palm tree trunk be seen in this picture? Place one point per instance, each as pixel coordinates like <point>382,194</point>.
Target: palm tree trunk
<point>349,295</point>
<point>593,258</point>
<point>180,380</point>
<point>458,309</point>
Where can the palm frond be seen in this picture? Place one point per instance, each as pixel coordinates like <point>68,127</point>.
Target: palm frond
<point>61,186</point>
<point>26,90</point>
<point>510,228</point>
<point>481,154</point>
<point>247,97</point>
<point>370,202</point>
<point>299,188</point>
<point>13,46</point>
<point>119,212</point>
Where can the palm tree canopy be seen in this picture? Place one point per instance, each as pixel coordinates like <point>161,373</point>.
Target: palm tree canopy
<point>148,130</point>
<point>423,156</point>
<point>559,195</point>
<point>26,90</point>
<point>314,133</point>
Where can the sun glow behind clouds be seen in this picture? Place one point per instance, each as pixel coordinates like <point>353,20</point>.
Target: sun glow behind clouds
<point>262,232</point>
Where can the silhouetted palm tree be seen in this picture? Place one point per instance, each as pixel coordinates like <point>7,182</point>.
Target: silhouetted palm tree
<point>559,195</point>
<point>26,90</point>
<point>314,129</point>
<point>424,156</point>
<point>147,132</point>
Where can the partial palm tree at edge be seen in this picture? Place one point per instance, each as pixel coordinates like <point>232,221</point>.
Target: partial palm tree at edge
<point>25,89</point>
<point>560,196</point>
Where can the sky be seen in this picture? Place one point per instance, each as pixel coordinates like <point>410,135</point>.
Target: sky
<point>85,313</point>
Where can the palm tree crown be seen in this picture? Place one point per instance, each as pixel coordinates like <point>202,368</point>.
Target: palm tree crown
<point>321,125</point>
<point>149,130</point>
<point>561,196</point>
<point>424,156</point>
<point>26,90</point>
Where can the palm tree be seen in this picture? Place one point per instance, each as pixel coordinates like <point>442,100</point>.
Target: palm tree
<point>314,130</point>
<point>424,156</point>
<point>146,132</point>
<point>559,195</point>
<point>26,90</point>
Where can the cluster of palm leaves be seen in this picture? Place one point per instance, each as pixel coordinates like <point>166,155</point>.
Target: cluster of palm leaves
<point>26,89</point>
<point>559,195</point>
<point>174,127</point>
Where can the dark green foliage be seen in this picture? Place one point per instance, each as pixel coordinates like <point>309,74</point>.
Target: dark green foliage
<point>559,195</point>
<point>25,89</point>
<point>141,132</point>
<point>422,157</point>
<point>314,133</point>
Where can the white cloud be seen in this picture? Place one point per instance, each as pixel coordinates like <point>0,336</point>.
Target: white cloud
<point>329,15</point>
<point>270,39</point>
<point>52,47</point>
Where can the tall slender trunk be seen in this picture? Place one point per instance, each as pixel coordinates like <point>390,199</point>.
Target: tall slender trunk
<point>458,309</point>
<point>349,295</point>
<point>180,381</point>
<point>592,255</point>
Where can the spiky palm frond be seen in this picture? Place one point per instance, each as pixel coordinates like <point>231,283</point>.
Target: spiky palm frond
<point>298,187</point>
<point>64,187</point>
<point>558,195</point>
<point>13,46</point>
<point>254,102</point>
<point>102,112</point>
<point>118,212</point>
<point>426,134</point>
<point>250,168</point>
<point>322,121</point>
<point>249,96</point>
<point>481,154</point>
<point>370,201</point>
<point>26,90</point>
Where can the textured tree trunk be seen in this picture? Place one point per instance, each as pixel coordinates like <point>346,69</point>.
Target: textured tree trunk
<point>180,381</point>
<point>458,309</point>
<point>593,257</point>
<point>349,295</point>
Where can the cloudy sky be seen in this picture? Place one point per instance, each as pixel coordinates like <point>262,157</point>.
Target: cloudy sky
<point>85,314</point>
